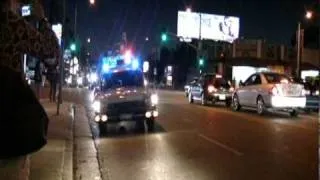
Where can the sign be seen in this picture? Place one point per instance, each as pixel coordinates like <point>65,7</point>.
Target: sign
<point>57,29</point>
<point>26,10</point>
<point>213,27</point>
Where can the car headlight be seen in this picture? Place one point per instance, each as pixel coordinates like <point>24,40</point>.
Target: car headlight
<point>96,106</point>
<point>154,99</point>
<point>211,89</point>
<point>317,93</point>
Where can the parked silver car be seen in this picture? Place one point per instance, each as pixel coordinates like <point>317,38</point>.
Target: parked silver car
<point>267,90</point>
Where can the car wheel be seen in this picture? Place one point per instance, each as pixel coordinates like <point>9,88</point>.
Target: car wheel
<point>103,128</point>
<point>190,98</point>
<point>260,106</point>
<point>235,103</point>
<point>294,113</point>
<point>150,124</point>
<point>203,100</point>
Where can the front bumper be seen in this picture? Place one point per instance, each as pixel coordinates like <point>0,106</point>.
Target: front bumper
<point>281,102</point>
<point>118,116</point>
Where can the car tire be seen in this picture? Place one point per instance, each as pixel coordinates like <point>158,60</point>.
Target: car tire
<point>294,113</point>
<point>204,101</point>
<point>103,128</point>
<point>235,103</point>
<point>261,108</point>
<point>190,98</point>
<point>150,124</point>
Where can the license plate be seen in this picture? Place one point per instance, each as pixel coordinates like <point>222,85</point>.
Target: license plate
<point>125,116</point>
<point>222,97</point>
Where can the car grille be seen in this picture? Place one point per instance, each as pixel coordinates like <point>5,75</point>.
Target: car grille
<point>126,107</point>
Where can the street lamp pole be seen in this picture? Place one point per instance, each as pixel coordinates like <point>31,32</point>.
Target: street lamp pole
<point>298,50</point>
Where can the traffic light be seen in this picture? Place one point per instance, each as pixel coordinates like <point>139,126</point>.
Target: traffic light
<point>201,62</point>
<point>164,37</point>
<point>73,47</point>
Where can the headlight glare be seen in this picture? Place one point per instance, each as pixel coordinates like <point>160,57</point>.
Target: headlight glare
<point>96,106</point>
<point>154,99</point>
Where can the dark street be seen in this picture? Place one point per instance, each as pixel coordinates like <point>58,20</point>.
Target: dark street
<point>196,142</point>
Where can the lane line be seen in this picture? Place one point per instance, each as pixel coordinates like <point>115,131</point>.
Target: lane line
<point>226,147</point>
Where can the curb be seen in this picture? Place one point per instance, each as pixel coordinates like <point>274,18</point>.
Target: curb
<point>67,164</point>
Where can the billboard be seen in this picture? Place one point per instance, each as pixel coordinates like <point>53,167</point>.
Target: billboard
<point>214,27</point>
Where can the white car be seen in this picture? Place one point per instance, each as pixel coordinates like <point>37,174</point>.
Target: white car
<point>123,96</point>
<point>267,90</point>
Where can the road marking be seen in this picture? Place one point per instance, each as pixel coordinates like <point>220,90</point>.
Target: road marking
<point>230,149</point>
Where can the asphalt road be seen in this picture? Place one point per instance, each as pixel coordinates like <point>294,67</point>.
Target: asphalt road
<point>208,143</point>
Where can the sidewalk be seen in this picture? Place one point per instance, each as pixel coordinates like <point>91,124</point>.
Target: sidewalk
<point>52,162</point>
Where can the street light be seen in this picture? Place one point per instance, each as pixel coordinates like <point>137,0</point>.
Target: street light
<point>309,14</point>
<point>88,40</point>
<point>92,2</point>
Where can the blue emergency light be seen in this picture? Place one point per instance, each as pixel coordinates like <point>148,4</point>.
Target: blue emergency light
<point>115,62</point>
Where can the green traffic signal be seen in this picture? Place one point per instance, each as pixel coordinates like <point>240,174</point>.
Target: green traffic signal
<point>73,47</point>
<point>201,62</point>
<point>164,37</point>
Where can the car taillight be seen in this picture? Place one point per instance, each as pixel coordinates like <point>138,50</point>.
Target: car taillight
<point>274,91</point>
<point>211,89</point>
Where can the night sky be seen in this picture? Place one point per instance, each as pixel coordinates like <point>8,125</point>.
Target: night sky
<point>274,20</point>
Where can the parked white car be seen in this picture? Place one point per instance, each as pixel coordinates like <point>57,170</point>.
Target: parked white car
<point>267,90</point>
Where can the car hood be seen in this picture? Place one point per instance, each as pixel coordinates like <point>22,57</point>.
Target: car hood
<point>124,95</point>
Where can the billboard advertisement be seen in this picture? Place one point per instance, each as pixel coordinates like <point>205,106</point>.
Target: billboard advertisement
<point>214,27</point>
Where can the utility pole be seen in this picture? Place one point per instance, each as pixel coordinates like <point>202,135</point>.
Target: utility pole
<point>75,19</point>
<point>199,49</point>
<point>298,50</point>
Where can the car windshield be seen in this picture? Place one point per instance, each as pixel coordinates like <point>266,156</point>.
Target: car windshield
<point>277,78</point>
<point>122,79</point>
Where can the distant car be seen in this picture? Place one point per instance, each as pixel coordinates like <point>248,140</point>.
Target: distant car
<point>312,95</point>
<point>211,88</point>
<point>267,90</point>
<point>187,86</point>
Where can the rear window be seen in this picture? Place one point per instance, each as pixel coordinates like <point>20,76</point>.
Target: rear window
<point>220,82</point>
<point>277,78</point>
